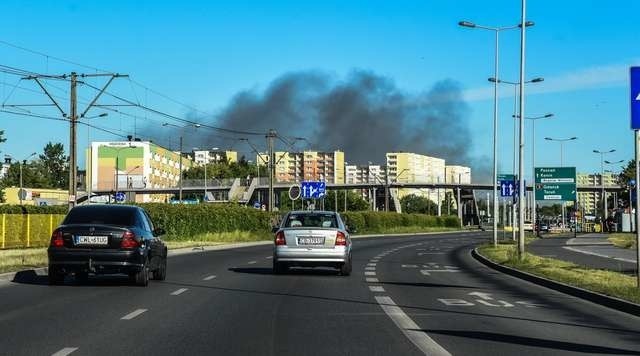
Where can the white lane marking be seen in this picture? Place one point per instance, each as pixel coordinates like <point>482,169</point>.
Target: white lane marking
<point>409,266</point>
<point>410,329</point>
<point>373,264</point>
<point>133,314</point>
<point>430,253</point>
<point>179,291</point>
<point>427,272</point>
<point>377,289</point>
<point>372,280</point>
<point>369,273</point>
<point>597,254</point>
<point>208,278</point>
<point>456,302</point>
<point>269,257</point>
<point>65,351</point>
<point>375,260</point>
<point>252,262</point>
<point>369,268</point>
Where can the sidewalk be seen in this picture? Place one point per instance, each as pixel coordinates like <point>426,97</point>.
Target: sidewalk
<point>589,250</point>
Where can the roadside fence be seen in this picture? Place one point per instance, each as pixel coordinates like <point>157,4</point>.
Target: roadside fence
<point>27,230</point>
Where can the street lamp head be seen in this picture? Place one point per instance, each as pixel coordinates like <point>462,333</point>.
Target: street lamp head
<point>527,24</point>
<point>467,24</point>
<point>548,138</point>
<point>165,124</point>
<point>197,126</point>
<point>104,114</point>
<point>573,138</point>
<point>548,115</point>
<point>493,80</point>
<point>537,80</point>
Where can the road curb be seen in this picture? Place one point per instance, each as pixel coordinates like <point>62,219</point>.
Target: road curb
<point>611,302</point>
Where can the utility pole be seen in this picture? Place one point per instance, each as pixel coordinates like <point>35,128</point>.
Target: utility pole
<point>270,136</point>
<point>73,117</point>
<point>180,169</point>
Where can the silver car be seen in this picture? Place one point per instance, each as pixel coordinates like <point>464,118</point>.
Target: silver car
<point>312,238</point>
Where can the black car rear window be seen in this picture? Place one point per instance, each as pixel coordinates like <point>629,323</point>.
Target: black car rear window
<point>102,215</point>
<point>311,220</point>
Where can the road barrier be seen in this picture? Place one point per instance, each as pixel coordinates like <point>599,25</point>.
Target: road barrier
<point>27,230</point>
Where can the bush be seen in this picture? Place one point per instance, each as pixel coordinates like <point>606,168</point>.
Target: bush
<point>184,222</point>
<point>380,222</point>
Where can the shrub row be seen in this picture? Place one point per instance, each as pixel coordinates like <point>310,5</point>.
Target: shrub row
<point>369,221</point>
<point>184,222</point>
<point>33,209</point>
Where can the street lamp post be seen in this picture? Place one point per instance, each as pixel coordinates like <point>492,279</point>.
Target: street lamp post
<point>21,163</point>
<point>562,141</point>
<point>515,126</point>
<point>496,31</point>
<point>603,197</point>
<point>533,161</point>
<point>180,154</point>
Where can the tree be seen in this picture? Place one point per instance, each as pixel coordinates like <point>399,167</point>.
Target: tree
<point>418,204</point>
<point>56,165</point>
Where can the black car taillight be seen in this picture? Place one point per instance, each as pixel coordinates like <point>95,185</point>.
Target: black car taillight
<point>280,240</point>
<point>129,240</point>
<point>56,239</point>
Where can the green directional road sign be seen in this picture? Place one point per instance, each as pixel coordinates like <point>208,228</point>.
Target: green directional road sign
<point>555,192</point>
<point>555,183</point>
<point>505,176</point>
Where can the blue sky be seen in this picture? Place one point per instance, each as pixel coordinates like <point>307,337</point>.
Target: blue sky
<point>203,52</point>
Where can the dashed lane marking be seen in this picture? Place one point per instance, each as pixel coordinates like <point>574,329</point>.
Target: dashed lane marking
<point>208,278</point>
<point>179,291</point>
<point>372,280</point>
<point>410,329</point>
<point>252,262</point>
<point>64,352</point>
<point>369,268</point>
<point>377,289</point>
<point>369,273</point>
<point>133,314</point>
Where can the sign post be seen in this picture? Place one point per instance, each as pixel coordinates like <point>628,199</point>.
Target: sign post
<point>634,76</point>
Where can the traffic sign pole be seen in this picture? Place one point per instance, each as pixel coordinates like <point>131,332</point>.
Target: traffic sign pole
<point>637,137</point>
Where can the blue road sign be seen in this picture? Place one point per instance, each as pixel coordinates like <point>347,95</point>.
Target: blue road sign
<point>507,188</point>
<point>635,97</point>
<point>313,190</point>
<point>120,197</point>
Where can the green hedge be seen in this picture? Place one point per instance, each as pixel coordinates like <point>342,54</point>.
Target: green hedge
<point>184,222</point>
<point>34,209</point>
<point>369,221</point>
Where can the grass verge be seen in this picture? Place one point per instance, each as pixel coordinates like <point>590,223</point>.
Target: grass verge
<point>606,282</point>
<point>623,240</point>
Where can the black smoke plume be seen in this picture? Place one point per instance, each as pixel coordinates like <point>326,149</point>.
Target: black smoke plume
<point>364,115</point>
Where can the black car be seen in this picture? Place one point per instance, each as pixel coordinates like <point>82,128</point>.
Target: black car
<point>107,239</point>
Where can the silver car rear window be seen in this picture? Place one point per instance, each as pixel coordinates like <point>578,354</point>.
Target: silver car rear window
<point>311,220</point>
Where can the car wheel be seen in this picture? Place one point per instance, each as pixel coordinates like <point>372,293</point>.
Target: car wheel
<point>55,277</point>
<point>345,268</point>
<point>82,277</point>
<point>161,273</point>
<point>279,267</point>
<point>141,278</point>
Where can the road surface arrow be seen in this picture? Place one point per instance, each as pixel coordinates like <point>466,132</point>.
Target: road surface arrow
<point>485,296</point>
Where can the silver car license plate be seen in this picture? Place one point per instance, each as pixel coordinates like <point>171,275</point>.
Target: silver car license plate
<point>91,240</point>
<point>310,240</point>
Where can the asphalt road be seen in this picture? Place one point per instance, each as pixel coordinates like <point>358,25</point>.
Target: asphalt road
<point>406,296</point>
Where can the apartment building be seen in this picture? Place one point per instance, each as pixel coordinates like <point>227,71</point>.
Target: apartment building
<point>134,164</point>
<point>457,174</point>
<point>201,157</point>
<point>589,201</point>
<point>406,167</point>
<point>365,174</point>
<point>306,166</point>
